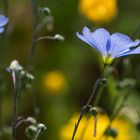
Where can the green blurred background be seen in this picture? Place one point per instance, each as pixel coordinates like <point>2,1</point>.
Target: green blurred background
<point>65,72</point>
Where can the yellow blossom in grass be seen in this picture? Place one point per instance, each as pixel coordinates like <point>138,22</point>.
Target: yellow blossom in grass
<point>98,10</point>
<point>54,81</point>
<point>86,128</point>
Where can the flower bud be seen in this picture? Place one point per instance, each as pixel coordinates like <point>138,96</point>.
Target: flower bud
<point>31,131</point>
<point>59,37</point>
<point>14,66</point>
<point>103,81</point>
<point>30,76</point>
<point>49,22</point>
<point>126,83</point>
<point>94,111</point>
<point>41,127</point>
<point>46,10</point>
<point>111,132</point>
<point>31,120</point>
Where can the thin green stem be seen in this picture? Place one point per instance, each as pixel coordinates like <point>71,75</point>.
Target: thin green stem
<point>45,37</point>
<point>30,64</point>
<point>19,95</point>
<point>119,107</point>
<point>4,38</point>
<point>14,105</point>
<point>3,49</point>
<point>34,35</point>
<point>84,128</point>
<point>37,134</point>
<point>6,5</point>
<point>95,125</point>
<point>117,110</point>
<point>97,98</point>
<point>135,32</point>
<point>86,106</point>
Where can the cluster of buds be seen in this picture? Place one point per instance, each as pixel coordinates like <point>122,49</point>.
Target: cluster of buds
<point>18,71</point>
<point>34,130</point>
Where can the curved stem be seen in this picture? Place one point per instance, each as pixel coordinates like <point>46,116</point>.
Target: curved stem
<point>86,106</point>
<point>45,37</point>
<point>20,122</point>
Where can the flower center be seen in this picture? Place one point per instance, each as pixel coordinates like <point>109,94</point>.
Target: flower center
<point>107,59</point>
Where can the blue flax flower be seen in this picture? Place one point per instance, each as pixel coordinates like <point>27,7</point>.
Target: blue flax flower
<point>3,21</point>
<point>110,46</point>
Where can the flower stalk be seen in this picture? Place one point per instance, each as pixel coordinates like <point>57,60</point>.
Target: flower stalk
<point>87,105</point>
<point>6,5</point>
<point>34,35</point>
<point>15,95</point>
<point>37,134</point>
<point>41,127</point>
<point>117,109</point>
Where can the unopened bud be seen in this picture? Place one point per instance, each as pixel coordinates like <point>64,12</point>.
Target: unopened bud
<point>27,75</point>
<point>41,127</point>
<point>30,76</point>
<point>15,66</point>
<point>94,111</point>
<point>31,120</point>
<point>31,131</point>
<point>46,10</point>
<point>111,132</point>
<point>104,81</point>
<point>126,83</point>
<point>59,37</point>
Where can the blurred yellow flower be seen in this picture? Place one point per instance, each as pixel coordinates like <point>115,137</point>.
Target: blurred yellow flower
<point>86,128</point>
<point>54,81</point>
<point>99,10</point>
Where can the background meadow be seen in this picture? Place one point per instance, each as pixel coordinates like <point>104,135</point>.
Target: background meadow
<point>65,71</point>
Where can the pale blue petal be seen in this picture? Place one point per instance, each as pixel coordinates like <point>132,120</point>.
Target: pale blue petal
<point>87,33</point>
<point>1,30</point>
<point>97,39</point>
<point>120,43</point>
<point>101,38</point>
<point>87,37</point>
<point>130,51</point>
<point>83,38</point>
<point>3,20</point>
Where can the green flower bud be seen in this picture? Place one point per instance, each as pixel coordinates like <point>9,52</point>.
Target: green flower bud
<point>126,83</point>
<point>31,131</point>
<point>31,120</point>
<point>103,81</point>
<point>94,111</point>
<point>41,127</point>
<point>46,10</point>
<point>14,66</point>
<point>59,37</point>
<point>112,132</point>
